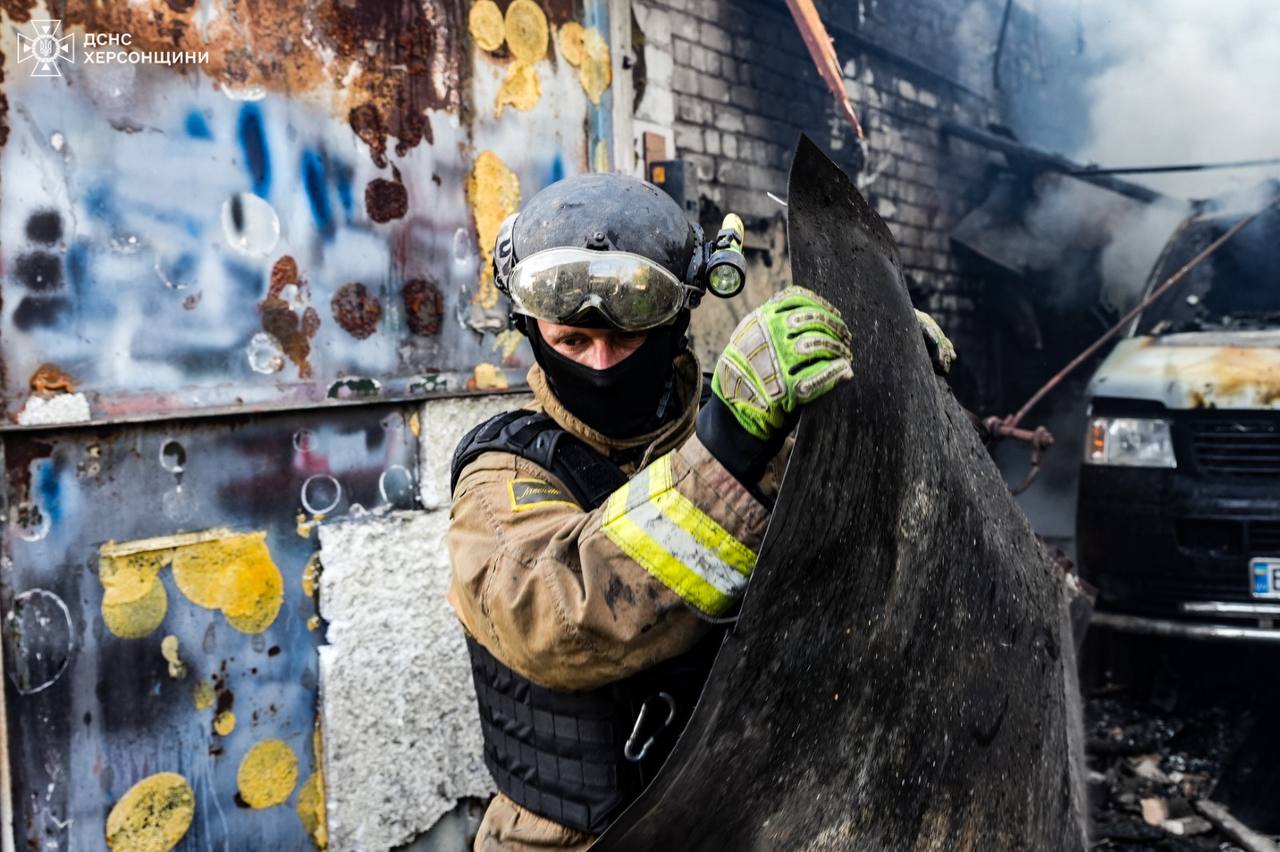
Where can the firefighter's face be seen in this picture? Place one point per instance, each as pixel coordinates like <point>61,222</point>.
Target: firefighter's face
<point>597,348</point>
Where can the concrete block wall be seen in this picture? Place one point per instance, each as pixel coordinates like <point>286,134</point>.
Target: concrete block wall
<point>735,84</point>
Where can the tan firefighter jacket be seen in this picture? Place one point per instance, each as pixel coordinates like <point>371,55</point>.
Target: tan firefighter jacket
<point>573,599</point>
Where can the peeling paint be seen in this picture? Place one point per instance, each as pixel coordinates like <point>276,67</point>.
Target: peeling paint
<point>493,191</point>
<point>152,816</point>
<point>267,774</point>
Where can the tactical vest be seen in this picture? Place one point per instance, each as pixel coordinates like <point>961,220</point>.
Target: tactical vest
<point>576,758</point>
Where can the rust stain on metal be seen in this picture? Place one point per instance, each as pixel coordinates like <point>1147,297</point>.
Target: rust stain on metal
<point>281,320</point>
<point>415,64</point>
<point>19,11</point>
<point>356,310</point>
<point>1237,370</point>
<point>560,12</point>
<point>423,306</point>
<point>408,52</point>
<point>50,380</point>
<point>366,123</point>
<point>385,200</point>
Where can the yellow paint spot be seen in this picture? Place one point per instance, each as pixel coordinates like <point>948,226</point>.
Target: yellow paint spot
<point>133,598</point>
<point>267,774</point>
<point>169,650</point>
<point>526,31</point>
<point>486,25</point>
<point>215,569</point>
<point>507,342</point>
<point>493,191</point>
<point>521,89</point>
<point>415,424</point>
<point>570,38</point>
<point>311,798</point>
<point>202,696</point>
<point>489,377</point>
<point>152,816</point>
<point>595,71</point>
<point>235,574</point>
<point>135,619</point>
<point>600,157</point>
<point>224,723</point>
<point>311,575</point>
<point>313,623</point>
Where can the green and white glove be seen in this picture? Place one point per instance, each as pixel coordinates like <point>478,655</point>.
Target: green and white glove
<point>941,352</point>
<point>786,353</point>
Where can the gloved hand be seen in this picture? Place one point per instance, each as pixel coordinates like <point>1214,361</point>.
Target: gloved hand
<point>786,353</point>
<point>941,352</point>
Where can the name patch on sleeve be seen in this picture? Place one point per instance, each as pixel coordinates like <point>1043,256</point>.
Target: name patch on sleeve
<point>530,493</point>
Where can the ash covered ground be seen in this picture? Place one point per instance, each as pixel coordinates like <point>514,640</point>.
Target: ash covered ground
<point>1169,724</point>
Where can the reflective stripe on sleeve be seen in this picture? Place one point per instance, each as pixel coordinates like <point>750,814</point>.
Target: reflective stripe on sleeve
<point>675,541</point>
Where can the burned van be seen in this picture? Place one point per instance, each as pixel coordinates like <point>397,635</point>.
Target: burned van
<point>1178,523</point>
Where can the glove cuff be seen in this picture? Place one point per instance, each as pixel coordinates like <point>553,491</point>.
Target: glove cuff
<point>741,453</point>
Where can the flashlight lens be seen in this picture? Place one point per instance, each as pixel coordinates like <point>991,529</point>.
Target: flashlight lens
<point>725,280</point>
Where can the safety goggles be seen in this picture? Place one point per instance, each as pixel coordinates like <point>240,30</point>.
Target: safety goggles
<point>632,292</point>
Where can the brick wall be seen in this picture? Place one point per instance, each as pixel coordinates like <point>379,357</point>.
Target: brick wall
<point>733,84</point>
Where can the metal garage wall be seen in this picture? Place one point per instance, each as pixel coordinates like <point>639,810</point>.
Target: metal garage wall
<point>238,242</point>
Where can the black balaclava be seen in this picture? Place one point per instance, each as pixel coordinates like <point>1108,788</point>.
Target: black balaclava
<point>632,397</point>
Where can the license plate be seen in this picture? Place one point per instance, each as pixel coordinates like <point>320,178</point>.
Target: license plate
<point>1265,576</point>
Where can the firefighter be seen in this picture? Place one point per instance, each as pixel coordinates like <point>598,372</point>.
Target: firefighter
<point>600,537</point>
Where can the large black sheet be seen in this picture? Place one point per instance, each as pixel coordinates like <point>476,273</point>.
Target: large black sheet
<point>902,674</point>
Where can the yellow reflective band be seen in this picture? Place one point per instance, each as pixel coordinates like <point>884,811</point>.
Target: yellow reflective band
<point>672,573</point>
<point>697,523</point>
<point>667,535</point>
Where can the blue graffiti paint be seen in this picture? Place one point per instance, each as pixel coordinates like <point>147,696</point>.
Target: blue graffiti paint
<point>248,279</point>
<point>77,265</point>
<point>100,201</point>
<point>49,489</point>
<point>196,126</point>
<point>343,175</point>
<point>557,168</point>
<point>313,180</point>
<point>252,134</point>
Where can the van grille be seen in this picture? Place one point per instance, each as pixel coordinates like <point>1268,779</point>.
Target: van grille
<point>1237,448</point>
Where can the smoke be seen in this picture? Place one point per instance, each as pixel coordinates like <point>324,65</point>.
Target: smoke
<point>1146,82</point>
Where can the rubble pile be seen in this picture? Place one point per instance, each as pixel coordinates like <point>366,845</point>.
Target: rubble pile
<point>1153,771</point>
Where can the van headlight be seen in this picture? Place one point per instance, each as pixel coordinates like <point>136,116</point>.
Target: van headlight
<point>1130,442</point>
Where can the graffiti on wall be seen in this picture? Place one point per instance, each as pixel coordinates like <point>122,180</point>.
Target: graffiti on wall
<point>302,213</point>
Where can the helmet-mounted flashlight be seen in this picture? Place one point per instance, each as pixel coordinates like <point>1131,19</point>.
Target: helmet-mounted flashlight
<point>727,268</point>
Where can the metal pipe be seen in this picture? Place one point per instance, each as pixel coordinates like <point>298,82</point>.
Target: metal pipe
<point>1185,167</point>
<point>1051,162</point>
<point>1173,279</point>
<point>1182,630</point>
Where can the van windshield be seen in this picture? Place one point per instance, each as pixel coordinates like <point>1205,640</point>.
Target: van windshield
<point>1237,288</point>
